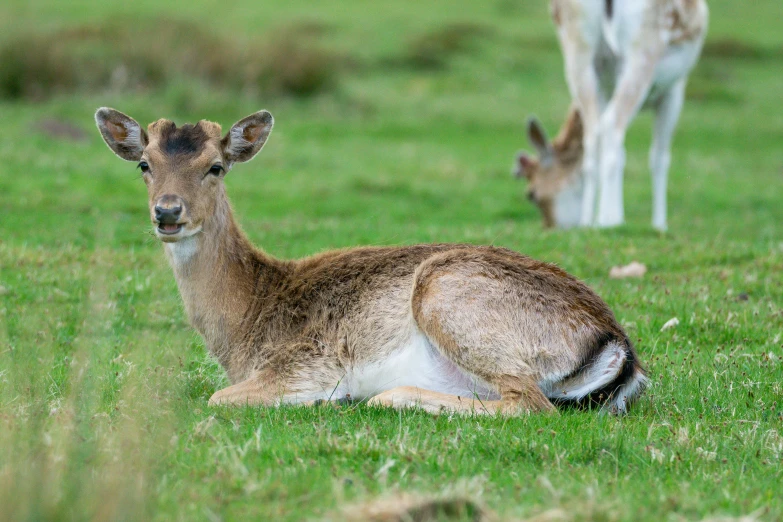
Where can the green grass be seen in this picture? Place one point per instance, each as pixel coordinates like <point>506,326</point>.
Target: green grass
<point>103,385</point>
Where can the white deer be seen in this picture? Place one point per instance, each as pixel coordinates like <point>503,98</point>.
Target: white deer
<point>619,56</point>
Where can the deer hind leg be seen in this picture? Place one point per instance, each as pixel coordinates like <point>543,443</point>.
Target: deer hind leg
<point>667,112</point>
<point>520,395</point>
<point>475,313</point>
<point>403,397</point>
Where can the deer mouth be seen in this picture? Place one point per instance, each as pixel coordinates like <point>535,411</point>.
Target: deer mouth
<point>169,229</point>
<point>173,232</point>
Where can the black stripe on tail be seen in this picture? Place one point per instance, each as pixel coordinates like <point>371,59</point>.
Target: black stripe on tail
<point>608,8</point>
<point>603,395</point>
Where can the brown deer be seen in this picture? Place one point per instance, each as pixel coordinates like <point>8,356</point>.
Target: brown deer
<point>554,177</point>
<point>619,57</point>
<point>449,327</point>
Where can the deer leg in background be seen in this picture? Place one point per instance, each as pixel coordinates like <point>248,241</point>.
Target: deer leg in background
<point>667,112</point>
<point>583,83</point>
<point>579,33</point>
<point>590,106</point>
<point>631,91</point>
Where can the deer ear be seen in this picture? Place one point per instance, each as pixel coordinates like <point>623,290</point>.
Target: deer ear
<point>537,137</point>
<point>121,133</point>
<point>571,136</point>
<point>573,129</point>
<point>247,136</point>
<point>524,166</point>
<point>576,125</point>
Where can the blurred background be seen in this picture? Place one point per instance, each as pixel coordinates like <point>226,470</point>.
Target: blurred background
<point>395,123</point>
<point>405,110</point>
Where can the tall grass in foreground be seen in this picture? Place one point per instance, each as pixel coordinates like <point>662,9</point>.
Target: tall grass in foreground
<point>76,462</point>
<point>88,441</point>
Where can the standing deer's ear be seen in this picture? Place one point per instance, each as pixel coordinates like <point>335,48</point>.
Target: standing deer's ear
<point>121,133</point>
<point>537,137</point>
<point>247,137</point>
<point>524,166</point>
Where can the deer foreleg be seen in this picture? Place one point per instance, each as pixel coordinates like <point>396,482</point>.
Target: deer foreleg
<point>585,90</point>
<point>579,57</point>
<point>631,91</point>
<point>264,389</point>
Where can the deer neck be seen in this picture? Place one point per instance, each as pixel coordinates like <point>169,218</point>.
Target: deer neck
<point>217,271</point>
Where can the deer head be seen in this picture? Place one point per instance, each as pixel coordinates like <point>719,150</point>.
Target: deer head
<point>554,174</point>
<point>183,167</point>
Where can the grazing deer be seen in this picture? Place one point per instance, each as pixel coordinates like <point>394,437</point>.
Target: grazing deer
<point>447,327</point>
<point>619,57</point>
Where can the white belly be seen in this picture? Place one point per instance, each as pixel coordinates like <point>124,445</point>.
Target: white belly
<point>415,363</point>
<point>675,65</point>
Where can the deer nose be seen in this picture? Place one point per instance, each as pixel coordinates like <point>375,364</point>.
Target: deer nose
<point>531,196</point>
<point>168,210</point>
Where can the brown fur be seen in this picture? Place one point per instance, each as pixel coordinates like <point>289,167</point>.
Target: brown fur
<point>683,20</point>
<point>285,331</point>
<point>547,176</point>
<point>188,139</point>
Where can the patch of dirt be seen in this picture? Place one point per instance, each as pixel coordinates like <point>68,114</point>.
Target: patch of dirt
<point>413,508</point>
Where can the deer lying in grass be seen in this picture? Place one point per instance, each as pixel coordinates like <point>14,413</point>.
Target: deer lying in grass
<point>447,327</point>
<point>619,57</point>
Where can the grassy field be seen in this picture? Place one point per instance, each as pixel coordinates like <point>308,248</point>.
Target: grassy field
<point>407,135</point>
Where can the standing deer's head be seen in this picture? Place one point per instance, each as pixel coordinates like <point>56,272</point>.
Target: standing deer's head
<point>554,178</point>
<point>183,167</point>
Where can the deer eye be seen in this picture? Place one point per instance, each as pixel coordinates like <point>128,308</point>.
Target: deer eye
<point>144,166</point>
<point>215,170</point>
